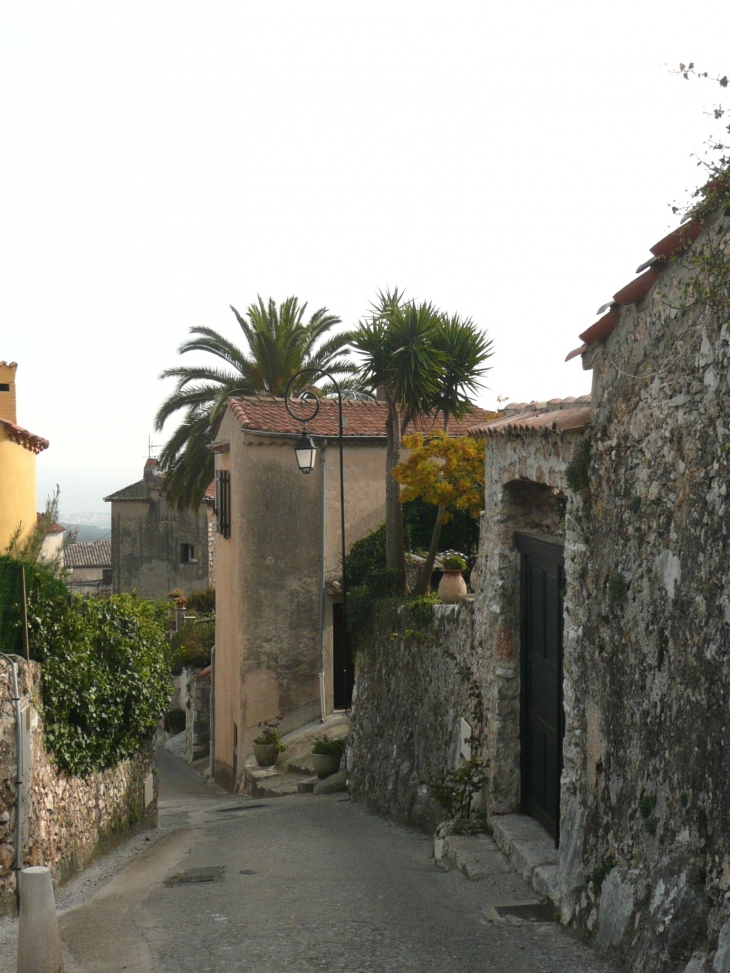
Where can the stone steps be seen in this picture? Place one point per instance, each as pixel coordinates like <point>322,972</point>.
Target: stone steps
<point>525,848</point>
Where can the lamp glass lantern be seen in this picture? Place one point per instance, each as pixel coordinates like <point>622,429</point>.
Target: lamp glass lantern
<point>305,451</point>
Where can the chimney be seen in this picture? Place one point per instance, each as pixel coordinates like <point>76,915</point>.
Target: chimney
<point>7,391</point>
<point>150,472</point>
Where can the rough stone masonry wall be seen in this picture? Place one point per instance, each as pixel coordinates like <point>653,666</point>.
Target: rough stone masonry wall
<point>645,842</point>
<point>524,492</point>
<point>410,696</point>
<point>197,715</point>
<point>66,820</point>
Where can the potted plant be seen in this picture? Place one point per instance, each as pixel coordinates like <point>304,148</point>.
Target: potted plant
<point>452,584</point>
<point>326,756</point>
<point>267,746</point>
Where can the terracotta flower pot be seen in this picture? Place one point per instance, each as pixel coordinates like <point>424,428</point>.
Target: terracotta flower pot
<point>266,754</point>
<point>326,764</point>
<point>451,586</point>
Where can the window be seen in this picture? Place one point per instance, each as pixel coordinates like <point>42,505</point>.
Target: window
<point>106,575</point>
<point>4,387</point>
<point>187,554</point>
<point>223,502</point>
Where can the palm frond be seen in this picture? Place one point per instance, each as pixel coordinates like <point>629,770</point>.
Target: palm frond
<point>279,341</point>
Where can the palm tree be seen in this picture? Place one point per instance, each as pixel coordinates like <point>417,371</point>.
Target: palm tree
<point>278,343</point>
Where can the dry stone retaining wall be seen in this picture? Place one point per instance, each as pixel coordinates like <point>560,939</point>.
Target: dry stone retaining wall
<point>410,697</point>
<point>66,820</point>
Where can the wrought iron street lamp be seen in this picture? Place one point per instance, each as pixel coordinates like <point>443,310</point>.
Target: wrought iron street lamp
<point>308,404</point>
<point>305,452</point>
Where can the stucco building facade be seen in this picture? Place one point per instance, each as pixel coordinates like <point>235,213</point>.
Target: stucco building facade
<point>156,548</point>
<point>280,646</point>
<point>18,451</point>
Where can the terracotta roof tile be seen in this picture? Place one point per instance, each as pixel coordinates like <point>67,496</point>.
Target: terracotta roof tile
<point>96,555</point>
<point>602,328</point>
<point>361,418</point>
<point>16,434</point>
<point>575,352</point>
<point>671,246</point>
<point>675,243</point>
<point>557,415</point>
<point>639,287</point>
<point>54,528</point>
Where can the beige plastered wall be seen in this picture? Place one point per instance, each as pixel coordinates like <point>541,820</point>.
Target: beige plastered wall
<point>364,512</point>
<point>268,581</point>
<point>17,489</point>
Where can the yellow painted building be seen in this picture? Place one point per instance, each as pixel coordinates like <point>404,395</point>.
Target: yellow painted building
<point>18,451</point>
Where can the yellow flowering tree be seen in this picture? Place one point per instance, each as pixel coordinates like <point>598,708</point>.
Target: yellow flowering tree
<point>448,472</point>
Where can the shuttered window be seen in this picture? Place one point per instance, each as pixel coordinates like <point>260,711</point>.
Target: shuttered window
<point>223,502</point>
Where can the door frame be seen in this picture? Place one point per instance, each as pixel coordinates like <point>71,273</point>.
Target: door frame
<point>550,549</point>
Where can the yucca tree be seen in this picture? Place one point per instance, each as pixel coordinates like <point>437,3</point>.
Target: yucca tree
<point>278,341</point>
<point>396,342</point>
<point>426,364</point>
<point>465,350</point>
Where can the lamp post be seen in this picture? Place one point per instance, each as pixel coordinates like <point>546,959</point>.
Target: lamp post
<point>305,451</point>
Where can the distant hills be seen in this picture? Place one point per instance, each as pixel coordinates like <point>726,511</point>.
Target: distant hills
<point>89,527</point>
<point>87,533</point>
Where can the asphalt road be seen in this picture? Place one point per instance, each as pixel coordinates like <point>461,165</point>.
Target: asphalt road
<point>296,884</point>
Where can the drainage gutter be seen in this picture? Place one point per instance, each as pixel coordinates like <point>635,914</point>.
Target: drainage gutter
<point>323,491</point>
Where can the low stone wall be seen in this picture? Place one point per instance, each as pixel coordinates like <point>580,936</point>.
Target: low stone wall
<point>197,716</point>
<point>412,690</point>
<point>66,821</point>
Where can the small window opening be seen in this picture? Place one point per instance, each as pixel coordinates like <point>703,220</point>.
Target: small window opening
<point>187,554</point>
<point>223,502</point>
<point>4,387</point>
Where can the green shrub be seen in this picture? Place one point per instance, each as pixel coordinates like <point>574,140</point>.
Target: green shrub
<point>202,602</point>
<point>455,788</point>
<point>366,559</point>
<point>459,533</point>
<point>42,586</point>
<point>453,562</point>
<point>325,745</point>
<point>617,589</point>
<point>105,676</point>
<point>175,720</point>
<point>577,473</point>
<point>191,645</point>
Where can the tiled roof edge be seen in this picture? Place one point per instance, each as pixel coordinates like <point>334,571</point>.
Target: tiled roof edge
<point>31,442</point>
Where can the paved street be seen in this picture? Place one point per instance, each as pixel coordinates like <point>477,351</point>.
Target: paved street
<point>300,883</point>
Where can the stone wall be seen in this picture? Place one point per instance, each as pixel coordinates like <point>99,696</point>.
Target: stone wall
<point>525,492</point>
<point>197,715</point>
<point>411,692</point>
<point>645,843</point>
<point>66,820</point>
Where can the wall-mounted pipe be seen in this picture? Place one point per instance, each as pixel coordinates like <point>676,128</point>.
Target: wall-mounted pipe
<point>18,863</point>
<point>323,491</point>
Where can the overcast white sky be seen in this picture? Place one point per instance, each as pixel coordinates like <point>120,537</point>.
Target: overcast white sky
<point>513,162</point>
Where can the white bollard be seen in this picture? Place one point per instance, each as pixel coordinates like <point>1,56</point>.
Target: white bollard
<point>39,943</point>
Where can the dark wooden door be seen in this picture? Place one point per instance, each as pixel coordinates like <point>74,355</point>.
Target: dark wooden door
<point>343,668</point>
<point>543,721</point>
